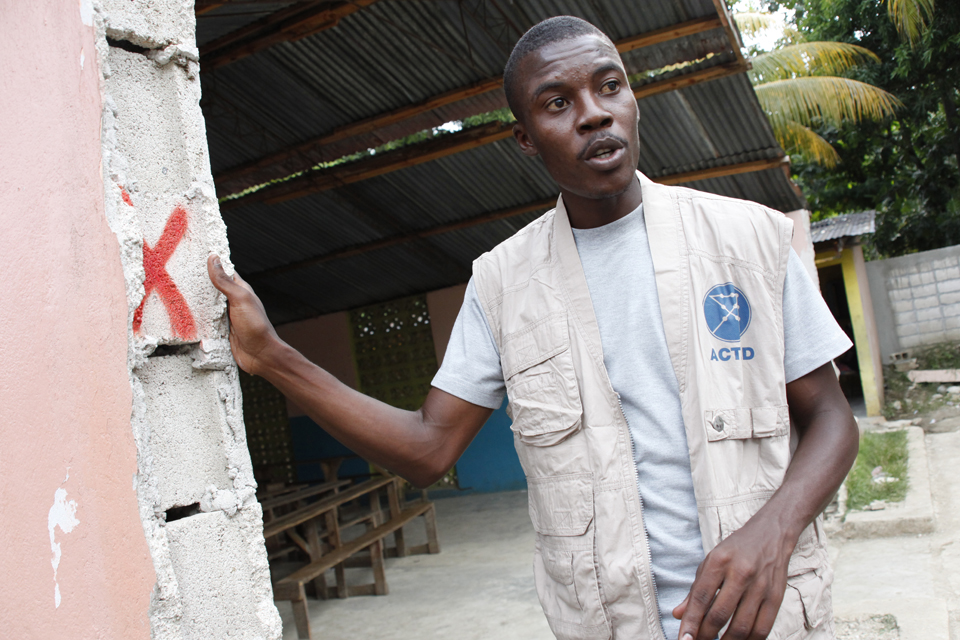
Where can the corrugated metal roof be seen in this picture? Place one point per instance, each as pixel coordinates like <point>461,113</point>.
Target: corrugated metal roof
<point>842,226</point>
<point>397,53</point>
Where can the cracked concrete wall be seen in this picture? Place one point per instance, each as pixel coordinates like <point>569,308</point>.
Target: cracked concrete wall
<point>195,481</point>
<point>125,482</point>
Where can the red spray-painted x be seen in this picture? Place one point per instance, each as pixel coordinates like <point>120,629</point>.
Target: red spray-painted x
<point>155,264</point>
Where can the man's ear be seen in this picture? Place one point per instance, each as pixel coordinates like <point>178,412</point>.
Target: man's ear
<point>527,146</point>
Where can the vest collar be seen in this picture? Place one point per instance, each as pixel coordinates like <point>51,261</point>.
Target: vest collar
<point>662,224</point>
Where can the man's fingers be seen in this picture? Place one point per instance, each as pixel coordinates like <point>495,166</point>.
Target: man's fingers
<point>224,283</point>
<point>744,620</point>
<point>698,601</point>
<point>718,613</point>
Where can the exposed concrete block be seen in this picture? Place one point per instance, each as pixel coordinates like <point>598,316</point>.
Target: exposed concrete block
<point>948,286</point>
<point>932,313</point>
<point>899,282</point>
<point>944,263</point>
<point>903,269</point>
<point>161,169</point>
<point>951,322</point>
<point>927,277</point>
<point>907,329</point>
<point>952,334</point>
<point>899,295</point>
<point>950,310</point>
<point>910,341</point>
<point>948,274</point>
<point>915,280</point>
<point>223,576</point>
<point>931,326</point>
<point>933,337</point>
<point>927,302</point>
<point>950,298</point>
<point>152,24</point>
<point>925,290</point>
<point>903,306</point>
<point>906,318</point>
<point>186,425</point>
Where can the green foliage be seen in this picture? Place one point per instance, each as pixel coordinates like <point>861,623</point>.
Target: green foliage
<point>888,451</point>
<point>905,166</point>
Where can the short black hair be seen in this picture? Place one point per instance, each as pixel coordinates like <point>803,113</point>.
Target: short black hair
<point>551,30</point>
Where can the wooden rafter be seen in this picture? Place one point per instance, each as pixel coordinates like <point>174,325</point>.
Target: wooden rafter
<point>726,170</point>
<point>311,146</point>
<point>510,212</point>
<point>292,23</point>
<point>348,173</point>
<point>347,252</point>
<point>689,79</point>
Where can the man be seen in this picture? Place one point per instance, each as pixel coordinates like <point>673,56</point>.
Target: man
<point>655,344</point>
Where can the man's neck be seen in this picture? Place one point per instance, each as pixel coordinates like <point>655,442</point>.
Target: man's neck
<point>589,213</point>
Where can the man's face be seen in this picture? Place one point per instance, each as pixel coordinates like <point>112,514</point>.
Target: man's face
<point>579,115</point>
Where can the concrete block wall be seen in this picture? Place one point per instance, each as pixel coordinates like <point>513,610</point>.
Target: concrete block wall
<point>194,479</point>
<point>916,299</point>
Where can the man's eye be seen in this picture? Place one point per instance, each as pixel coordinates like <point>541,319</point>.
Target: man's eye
<point>609,86</point>
<point>556,104</point>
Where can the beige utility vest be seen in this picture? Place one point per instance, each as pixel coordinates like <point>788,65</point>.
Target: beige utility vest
<point>592,560</point>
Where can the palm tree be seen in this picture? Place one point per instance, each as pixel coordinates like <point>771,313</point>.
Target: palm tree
<point>799,86</point>
<point>911,17</point>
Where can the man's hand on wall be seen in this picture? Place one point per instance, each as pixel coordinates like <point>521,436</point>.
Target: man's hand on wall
<point>251,334</point>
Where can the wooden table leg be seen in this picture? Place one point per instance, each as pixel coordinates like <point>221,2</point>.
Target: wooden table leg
<point>301,615</point>
<point>395,509</point>
<point>333,533</point>
<point>430,521</point>
<point>315,550</point>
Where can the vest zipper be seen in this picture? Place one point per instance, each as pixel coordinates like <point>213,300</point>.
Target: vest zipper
<point>646,534</point>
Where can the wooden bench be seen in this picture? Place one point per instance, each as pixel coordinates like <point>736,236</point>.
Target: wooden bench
<point>337,552</point>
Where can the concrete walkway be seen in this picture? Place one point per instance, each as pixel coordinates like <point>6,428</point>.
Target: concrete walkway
<point>916,578</point>
<point>480,586</point>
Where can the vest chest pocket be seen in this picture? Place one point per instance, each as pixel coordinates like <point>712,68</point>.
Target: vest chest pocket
<point>743,422</point>
<point>541,382</point>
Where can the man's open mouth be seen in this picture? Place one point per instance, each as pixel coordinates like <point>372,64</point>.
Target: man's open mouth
<point>603,149</point>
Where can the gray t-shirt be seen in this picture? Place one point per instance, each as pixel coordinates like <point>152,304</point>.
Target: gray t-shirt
<point>619,272</point>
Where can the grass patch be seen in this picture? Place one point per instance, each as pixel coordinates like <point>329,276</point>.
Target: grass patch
<point>887,450</point>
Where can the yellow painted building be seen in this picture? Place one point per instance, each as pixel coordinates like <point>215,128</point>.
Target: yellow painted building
<point>843,282</point>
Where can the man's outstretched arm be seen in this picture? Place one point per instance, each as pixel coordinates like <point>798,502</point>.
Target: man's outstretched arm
<point>418,445</point>
<point>743,578</point>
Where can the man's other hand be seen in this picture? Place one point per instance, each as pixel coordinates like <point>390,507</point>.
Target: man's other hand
<point>743,577</point>
<point>251,334</point>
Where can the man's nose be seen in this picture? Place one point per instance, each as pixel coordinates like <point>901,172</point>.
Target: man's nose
<point>593,116</point>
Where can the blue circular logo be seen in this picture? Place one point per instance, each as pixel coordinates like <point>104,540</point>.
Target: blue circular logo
<point>727,312</point>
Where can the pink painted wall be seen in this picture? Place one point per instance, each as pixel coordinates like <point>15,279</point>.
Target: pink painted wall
<point>325,341</point>
<point>67,455</point>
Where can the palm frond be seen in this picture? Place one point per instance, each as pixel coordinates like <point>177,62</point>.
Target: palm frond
<point>809,59</point>
<point>911,17</point>
<point>798,139</point>
<point>833,100</point>
<point>751,23</point>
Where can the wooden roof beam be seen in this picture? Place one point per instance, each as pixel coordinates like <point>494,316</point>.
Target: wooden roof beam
<point>380,164</point>
<point>510,212</point>
<point>348,173</point>
<point>367,125</point>
<point>297,21</point>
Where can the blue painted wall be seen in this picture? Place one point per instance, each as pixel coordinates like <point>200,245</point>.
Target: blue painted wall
<point>489,464</point>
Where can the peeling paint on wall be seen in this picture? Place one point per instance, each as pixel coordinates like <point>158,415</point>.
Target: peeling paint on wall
<point>63,515</point>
